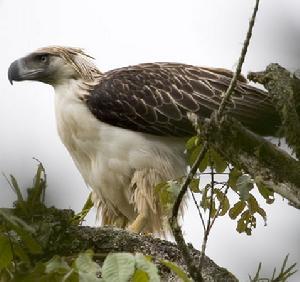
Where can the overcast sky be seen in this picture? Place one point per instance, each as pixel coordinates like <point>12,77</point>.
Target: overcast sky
<point>120,33</point>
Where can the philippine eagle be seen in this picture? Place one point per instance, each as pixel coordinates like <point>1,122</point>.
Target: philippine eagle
<point>126,129</point>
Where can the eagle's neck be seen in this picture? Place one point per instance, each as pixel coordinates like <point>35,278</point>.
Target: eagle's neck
<point>75,123</point>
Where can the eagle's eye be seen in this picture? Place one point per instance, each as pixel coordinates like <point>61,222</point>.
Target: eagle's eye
<point>42,58</point>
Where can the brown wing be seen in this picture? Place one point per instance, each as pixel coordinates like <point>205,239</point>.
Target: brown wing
<point>155,98</point>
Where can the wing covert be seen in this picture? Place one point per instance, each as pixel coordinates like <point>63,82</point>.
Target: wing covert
<point>155,99</point>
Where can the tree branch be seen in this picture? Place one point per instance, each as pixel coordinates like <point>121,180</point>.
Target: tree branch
<point>108,239</point>
<point>260,158</point>
<point>285,91</point>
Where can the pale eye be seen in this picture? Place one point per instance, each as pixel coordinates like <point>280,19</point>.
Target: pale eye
<point>44,58</point>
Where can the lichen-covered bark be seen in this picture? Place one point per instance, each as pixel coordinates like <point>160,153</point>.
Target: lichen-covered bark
<point>284,88</point>
<point>257,156</point>
<point>107,239</point>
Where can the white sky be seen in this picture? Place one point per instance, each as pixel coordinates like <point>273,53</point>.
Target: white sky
<point>118,33</point>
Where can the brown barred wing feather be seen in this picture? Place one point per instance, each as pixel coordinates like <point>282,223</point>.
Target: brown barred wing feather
<point>155,99</point>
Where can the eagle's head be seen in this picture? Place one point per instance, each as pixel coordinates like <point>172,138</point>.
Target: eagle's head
<point>53,65</point>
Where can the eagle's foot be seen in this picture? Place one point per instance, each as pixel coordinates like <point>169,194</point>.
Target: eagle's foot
<point>138,224</point>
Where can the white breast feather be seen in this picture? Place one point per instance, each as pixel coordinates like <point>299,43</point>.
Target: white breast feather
<point>108,156</point>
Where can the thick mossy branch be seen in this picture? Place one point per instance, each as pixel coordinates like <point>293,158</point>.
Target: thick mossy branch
<point>106,239</point>
<point>285,91</point>
<point>261,159</point>
<point>58,234</point>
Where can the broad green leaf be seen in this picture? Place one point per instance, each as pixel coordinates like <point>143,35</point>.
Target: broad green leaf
<point>86,267</point>
<point>194,185</point>
<point>218,162</point>
<point>244,184</point>
<point>118,267</point>
<point>6,254</point>
<point>56,264</point>
<point>147,266</point>
<point>236,209</point>
<point>233,177</point>
<point>176,269</point>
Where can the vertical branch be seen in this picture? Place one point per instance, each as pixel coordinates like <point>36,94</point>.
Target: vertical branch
<point>238,70</point>
<point>176,229</point>
<point>194,271</point>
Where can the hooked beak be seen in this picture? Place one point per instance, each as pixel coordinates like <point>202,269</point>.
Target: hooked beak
<point>18,71</point>
<point>14,72</point>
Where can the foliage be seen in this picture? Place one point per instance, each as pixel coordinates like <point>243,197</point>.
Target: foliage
<point>28,231</point>
<point>226,177</point>
<point>284,274</point>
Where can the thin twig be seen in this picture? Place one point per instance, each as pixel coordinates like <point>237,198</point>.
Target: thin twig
<point>188,180</point>
<point>238,70</point>
<point>176,229</point>
<point>199,211</point>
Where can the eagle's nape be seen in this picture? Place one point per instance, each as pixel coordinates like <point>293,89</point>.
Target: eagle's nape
<point>125,129</point>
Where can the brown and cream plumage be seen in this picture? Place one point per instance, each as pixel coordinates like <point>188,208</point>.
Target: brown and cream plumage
<point>125,129</point>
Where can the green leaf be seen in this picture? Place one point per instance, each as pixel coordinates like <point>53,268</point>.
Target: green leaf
<point>16,188</point>
<point>224,202</point>
<point>194,185</point>
<point>176,269</point>
<point>192,142</point>
<point>233,177</point>
<point>147,266</point>
<point>79,217</point>
<point>241,226</point>
<point>265,191</point>
<point>118,267</point>
<point>204,163</point>
<point>205,200</point>
<point>193,155</point>
<point>252,204</point>
<point>218,162</point>
<point>244,184</point>
<point>24,231</point>
<point>56,264</point>
<point>167,193</point>
<point>140,276</point>
<point>236,209</point>
<point>263,214</point>
<point>6,255</point>
<point>86,267</point>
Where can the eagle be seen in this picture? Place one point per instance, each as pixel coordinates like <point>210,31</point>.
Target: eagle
<point>126,129</point>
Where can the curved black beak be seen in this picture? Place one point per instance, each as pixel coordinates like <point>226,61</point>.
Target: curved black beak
<point>14,72</point>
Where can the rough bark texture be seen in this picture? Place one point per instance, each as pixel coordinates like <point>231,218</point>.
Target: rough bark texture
<point>260,158</point>
<point>107,239</point>
<point>284,87</point>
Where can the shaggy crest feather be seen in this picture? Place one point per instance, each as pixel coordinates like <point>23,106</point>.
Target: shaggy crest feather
<point>77,58</point>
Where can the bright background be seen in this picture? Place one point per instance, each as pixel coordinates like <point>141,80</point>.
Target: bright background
<point>120,33</point>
